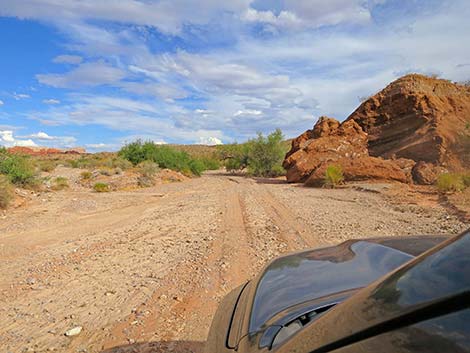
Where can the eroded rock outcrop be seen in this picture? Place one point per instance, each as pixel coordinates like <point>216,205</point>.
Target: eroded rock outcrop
<point>329,141</point>
<point>419,118</point>
<point>413,130</point>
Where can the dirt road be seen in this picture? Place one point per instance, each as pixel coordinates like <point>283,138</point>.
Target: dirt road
<point>143,271</point>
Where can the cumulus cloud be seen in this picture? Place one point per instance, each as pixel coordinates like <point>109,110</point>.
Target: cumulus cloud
<point>234,78</point>
<point>42,136</point>
<point>209,141</point>
<point>68,59</point>
<point>87,74</point>
<point>51,101</point>
<point>1,103</point>
<point>7,139</point>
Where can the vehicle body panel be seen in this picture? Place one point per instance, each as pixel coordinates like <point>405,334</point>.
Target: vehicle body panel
<point>298,283</point>
<point>437,283</point>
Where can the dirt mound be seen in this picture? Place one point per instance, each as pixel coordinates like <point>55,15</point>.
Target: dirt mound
<point>45,151</point>
<point>419,118</point>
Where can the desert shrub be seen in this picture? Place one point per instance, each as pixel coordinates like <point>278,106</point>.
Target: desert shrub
<point>101,187</point>
<point>60,183</point>
<point>86,175</point>
<point>466,180</point>
<point>121,163</point>
<point>72,163</point>
<point>106,171</point>
<point>46,166</point>
<point>145,181</point>
<point>148,168</point>
<point>19,170</point>
<point>235,156</point>
<point>450,182</point>
<point>265,154</point>
<point>334,176</point>
<point>6,191</point>
<point>165,157</point>
<point>209,163</point>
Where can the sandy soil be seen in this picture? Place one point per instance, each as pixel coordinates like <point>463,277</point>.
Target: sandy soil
<point>143,271</point>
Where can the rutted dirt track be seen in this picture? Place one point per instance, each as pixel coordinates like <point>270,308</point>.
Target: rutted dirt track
<point>144,271</point>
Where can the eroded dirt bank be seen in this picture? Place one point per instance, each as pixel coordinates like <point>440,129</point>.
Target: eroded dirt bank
<point>143,271</point>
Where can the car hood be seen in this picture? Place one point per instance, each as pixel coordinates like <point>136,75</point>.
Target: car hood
<point>324,273</point>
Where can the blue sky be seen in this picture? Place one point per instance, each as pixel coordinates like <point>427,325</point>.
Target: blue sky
<point>100,73</point>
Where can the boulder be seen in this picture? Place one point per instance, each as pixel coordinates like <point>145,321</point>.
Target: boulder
<point>327,141</point>
<point>362,168</point>
<point>419,118</point>
<point>426,173</point>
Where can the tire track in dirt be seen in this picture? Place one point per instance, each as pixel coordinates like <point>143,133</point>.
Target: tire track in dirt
<point>225,266</point>
<point>293,230</point>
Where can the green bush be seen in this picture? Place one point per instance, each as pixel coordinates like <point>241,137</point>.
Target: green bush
<point>209,163</point>
<point>60,183</point>
<point>6,191</point>
<point>165,157</point>
<point>235,156</point>
<point>450,182</point>
<point>20,170</point>
<point>265,154</point>
<point>334,176</point>
<point>101,187</point>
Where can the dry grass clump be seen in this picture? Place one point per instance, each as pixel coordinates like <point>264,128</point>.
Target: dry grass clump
<point>7,192</point>
<point>147,170</point>
<point>86,175</point>
<point>46,165</point>
<point>60,183</point>
<point>452,182</point>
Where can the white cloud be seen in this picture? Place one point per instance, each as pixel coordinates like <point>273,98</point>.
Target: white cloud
<point>7,139</point>
<point>42,136</point>
<point>209,141</point>
<point>87,74</point>
<point>68,59</point>
<point>167,15</point>
<point>19,96</point>
<point>248,112</point>
<point>51,101</point>
<point>1,103</point>
<point>6,136</point>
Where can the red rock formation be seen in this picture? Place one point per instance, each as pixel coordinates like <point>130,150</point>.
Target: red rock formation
<point>363,168</point>
<point>419,118</point>
<point>414,119</point>
<point>43,151</point>
<point>329,141</point>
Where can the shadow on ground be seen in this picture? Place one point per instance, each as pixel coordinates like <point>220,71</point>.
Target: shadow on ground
<point>159,347</point>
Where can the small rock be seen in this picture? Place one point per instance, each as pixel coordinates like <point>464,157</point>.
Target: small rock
<point>73,331</point>
<point>30,280</point>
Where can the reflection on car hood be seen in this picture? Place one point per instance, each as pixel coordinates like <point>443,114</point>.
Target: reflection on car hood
<point>306,276</point>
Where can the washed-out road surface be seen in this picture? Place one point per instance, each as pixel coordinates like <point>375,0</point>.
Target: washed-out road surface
<point>143,271</point>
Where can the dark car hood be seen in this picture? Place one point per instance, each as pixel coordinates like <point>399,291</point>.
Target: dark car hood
<point>307,276</point>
